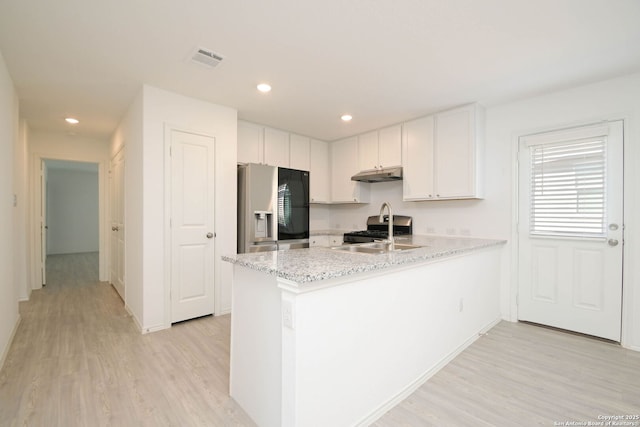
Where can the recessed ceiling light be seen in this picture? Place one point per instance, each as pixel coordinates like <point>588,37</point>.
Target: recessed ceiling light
<point>346,117</point>
<point>264,88</point>
<point>72,120</point>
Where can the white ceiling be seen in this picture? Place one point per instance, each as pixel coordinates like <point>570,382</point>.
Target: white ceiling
<point>383,61</point>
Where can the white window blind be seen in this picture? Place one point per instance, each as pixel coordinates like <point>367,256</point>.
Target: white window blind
<point>568,188</point>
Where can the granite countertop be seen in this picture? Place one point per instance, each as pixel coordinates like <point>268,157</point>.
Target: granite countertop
<point>320,263</point>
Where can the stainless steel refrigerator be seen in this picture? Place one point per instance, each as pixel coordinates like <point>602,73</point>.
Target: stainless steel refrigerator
<point>273,208</point>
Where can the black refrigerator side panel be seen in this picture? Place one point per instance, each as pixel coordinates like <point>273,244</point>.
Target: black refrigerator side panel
<point>293,204</point>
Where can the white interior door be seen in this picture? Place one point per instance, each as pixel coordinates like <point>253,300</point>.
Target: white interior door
<point>571,229</point>
<point>192,222</point>
<point>43,221</point>
<point>116,191</point>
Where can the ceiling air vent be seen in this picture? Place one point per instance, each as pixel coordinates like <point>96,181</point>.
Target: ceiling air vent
<point>206,57</point>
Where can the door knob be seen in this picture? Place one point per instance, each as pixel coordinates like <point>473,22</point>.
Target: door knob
<point>612,242</point>
<point>209,235</point>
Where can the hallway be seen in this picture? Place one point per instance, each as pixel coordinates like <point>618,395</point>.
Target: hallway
<point>78,360</point>
<point>72,270</point>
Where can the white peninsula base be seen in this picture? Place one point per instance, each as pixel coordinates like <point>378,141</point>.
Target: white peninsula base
<point>343,351</point>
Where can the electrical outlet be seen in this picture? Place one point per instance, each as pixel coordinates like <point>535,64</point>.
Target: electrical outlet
<point>451,231</point>
<point>287,314</point>
<point>465,232</point>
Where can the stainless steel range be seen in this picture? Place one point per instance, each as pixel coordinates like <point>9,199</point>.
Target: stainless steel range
<point>376,230</point>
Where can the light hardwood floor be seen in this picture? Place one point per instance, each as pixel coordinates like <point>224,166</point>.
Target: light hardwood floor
<point>77,360</point>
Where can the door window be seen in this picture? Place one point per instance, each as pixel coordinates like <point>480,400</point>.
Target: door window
<point>567,189</point>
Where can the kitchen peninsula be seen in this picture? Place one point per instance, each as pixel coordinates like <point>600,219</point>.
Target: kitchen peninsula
<point>324,336</point>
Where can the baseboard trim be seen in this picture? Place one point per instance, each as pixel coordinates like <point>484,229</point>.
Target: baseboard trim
<point>413,386</point>
<point>5,352</point>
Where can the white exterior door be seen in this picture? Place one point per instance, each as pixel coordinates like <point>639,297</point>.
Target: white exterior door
<point>116,193</point>
<point>192,225</point>
<point>571,229</point>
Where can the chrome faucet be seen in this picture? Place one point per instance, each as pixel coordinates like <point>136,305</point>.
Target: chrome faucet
<point>390,239</point>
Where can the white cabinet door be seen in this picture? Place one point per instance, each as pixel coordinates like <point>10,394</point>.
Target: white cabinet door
<point>390,146</point>
<point>454,154</point>
<point>441,155</point>
<point>276,147</point>
<point>344,164</point>
<point>299,152</point>
<point>417,159</point>
<point>319,178</point>
<point>368,151</point>
<point>250,143</point>
<point>335,240</point>
<point>381,148</point>
<point>318,241</point>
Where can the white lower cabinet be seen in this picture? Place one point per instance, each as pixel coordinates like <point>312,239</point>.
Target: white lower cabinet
<point>335,240</point>
<point>316,241</point>
<point>442,154</point>
<point>325,240</point>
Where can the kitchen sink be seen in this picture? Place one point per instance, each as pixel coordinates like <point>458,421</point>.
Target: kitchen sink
<point>375,247</point>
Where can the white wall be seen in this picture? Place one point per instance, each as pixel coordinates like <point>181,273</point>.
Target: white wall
<point>142,133</point>
<point>21,273</point>
<point>128,137</point>
<point>494,216</point>
<point>8,135</point>
<point>611,99</point>
<point>72,211</point>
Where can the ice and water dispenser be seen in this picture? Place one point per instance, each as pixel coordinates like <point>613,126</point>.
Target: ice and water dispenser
<point>263,224</point>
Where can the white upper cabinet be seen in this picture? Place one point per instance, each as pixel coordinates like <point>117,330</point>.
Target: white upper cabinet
<point>345,164</point>
<point>319,177</point>
<point>458,143</point>
<point>299,152</point>
<point>390,146</point>
<point>368,151</point>
<point>276,147</point>
<point>250,143</point>
<point>417,159</point>
<point>264,145</point>
<point>381,148</point>
<point>442,155</point>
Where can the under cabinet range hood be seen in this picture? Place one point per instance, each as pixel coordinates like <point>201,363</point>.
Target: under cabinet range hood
<point>379,175</point>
